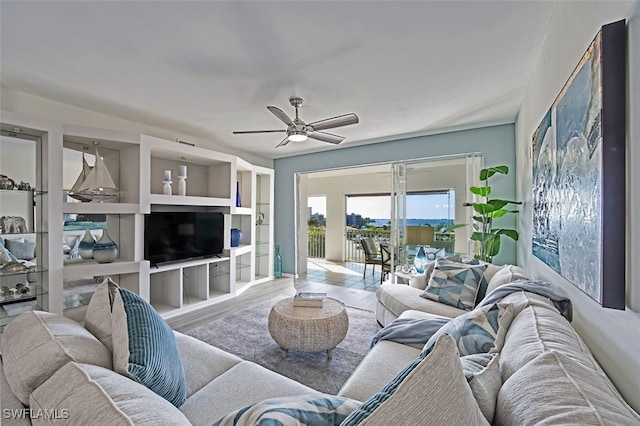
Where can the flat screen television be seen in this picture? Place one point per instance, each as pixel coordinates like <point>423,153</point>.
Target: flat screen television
<point>175,236</point>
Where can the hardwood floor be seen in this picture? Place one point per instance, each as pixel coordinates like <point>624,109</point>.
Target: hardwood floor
<point>341,281</point>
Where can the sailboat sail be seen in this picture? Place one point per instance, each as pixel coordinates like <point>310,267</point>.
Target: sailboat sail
<point>86,169</point>
<point>97,185</point>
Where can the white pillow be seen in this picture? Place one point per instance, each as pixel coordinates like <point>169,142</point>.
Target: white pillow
<point>436,389</point>
<point>506,275</point>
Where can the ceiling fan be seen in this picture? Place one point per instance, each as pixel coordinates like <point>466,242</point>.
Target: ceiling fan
<point>298,131</point>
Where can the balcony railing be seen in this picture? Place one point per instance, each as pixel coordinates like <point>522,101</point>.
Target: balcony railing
<point>353,247</point>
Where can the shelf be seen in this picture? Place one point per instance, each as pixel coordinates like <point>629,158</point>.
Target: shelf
<point>242,249</point>
<point>241,210</point>
<point>189,200</point>
<point>185,264</point>
<point>92,268</point>
<point>30,270</point>
<point>101,208</point>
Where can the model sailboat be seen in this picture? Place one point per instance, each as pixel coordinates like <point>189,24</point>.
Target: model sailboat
<point>94,184</point>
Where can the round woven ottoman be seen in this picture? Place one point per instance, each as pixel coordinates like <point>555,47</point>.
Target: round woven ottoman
<point>308,329</point>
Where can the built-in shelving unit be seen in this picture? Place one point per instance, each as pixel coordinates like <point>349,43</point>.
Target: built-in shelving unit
<point>215,181</point>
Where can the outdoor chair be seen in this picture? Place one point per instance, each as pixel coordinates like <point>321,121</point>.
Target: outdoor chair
<point>371,256</point>
<point>385,264</point>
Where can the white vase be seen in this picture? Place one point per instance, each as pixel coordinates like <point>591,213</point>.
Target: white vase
<point>105,250</point>
<point>85,248</point>
<point>182,185</point>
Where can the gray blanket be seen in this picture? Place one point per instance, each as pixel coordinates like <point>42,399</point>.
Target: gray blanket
<point>406,330</point>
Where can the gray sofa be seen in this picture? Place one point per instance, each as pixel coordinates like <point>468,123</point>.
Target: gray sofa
<point>63,373</point>
<point>394,299</point>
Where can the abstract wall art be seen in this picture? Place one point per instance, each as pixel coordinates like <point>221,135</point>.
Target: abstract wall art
<point>578,156</point>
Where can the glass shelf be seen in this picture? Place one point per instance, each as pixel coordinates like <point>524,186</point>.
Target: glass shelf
<point>30,270</point>
<point>12,306</point>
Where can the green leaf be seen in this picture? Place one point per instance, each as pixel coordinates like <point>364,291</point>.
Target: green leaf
<point>490,171</point>
<point>483,191</point>
<point>511,233</point>
<point>492,246</point>
<point>483,208</point>
<point>499,213</point>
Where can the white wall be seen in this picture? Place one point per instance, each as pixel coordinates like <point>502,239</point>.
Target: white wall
<point>34,106</point>
<point>613,336</point>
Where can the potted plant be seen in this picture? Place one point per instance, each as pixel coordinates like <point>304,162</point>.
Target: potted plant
<point>486,236</point>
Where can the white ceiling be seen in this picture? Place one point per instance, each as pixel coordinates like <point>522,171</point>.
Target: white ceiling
<point>210,67</point>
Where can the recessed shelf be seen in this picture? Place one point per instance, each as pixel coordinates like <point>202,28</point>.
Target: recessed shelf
<point>101,208</point>
<point>93,268</point>
<point>187,200</point>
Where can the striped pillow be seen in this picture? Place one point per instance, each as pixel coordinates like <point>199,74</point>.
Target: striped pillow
<point>317,409</point>
<point>144,348</point>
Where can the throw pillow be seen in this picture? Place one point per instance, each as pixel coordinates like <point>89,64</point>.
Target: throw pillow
<point>402,401</point>
<point>506,275</point>
<point>479,331</point>
<point>316,409</point>
<point>145,349</point>
<point>455,284</point>
<point>24,250</point>
<point>482,372</point>
<point>97,318</point>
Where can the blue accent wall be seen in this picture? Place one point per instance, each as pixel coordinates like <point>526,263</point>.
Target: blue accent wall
<point>496,143</point>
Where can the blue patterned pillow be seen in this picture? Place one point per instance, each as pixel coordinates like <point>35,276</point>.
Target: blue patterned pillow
<point>478,331</point>
<point>144,348</point>
<point>455,284</point>
<point>316,409</point>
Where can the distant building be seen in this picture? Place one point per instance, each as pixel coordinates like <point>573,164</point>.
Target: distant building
<point>354,220</point>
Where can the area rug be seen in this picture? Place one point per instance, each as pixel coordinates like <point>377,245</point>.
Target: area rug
<point>245,334</point>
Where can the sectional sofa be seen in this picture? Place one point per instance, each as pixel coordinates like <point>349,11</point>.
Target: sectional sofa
<point>538,371</point>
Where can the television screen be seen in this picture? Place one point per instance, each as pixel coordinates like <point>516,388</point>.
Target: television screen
<point>173,236</point>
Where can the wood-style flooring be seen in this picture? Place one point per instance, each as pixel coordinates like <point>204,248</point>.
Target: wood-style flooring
<point>324,278</point>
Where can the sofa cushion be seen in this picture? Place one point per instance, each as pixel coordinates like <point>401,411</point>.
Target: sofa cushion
<point>144,347</point>
<point>301,410</point>
<point>506,275</point>
<point>379,367</point>
<point>482,372</point>
<point>556,389</point>
<point>37,344</point>
<point>433,388</point>
<point>85,394</point>
<point>242,385</point>
<point>398,298</point>
<point>536,329</point>
<point>455,284</point>
<point>202,362</point>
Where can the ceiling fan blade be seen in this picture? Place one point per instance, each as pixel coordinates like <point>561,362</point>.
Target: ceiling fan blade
<point>242,132</point>
<point>281,115</point>
<point>284,142</point>
<point>339,121</point>
<point>326,137</point>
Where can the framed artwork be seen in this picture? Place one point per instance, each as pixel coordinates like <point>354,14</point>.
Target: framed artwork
<point>578,156</point>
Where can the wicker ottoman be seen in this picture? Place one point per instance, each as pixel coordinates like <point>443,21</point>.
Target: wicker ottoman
<point>308,329</point>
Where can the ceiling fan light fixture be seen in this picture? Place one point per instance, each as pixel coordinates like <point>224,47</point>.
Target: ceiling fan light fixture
<point>298,137</point>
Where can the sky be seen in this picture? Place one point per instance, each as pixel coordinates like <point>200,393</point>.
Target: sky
<point>418,206</point>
